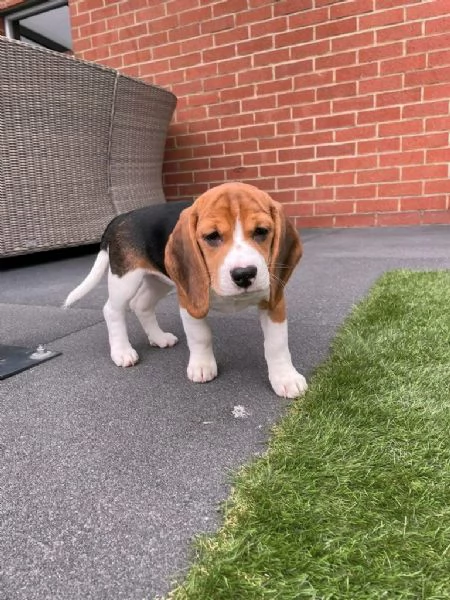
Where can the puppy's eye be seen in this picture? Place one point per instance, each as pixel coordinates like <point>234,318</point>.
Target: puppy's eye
<point>213,239</point>
<point>260,234</point>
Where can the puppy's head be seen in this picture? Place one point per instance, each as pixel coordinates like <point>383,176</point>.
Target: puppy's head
<point>233,240</point>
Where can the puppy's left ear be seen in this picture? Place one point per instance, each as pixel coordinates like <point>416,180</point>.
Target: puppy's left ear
<point>286,253</point>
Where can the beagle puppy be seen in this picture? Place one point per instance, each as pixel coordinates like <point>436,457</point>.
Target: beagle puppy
<point>230,249</point>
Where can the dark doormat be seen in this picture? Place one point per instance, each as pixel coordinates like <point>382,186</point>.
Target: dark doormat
<point>14,359</point>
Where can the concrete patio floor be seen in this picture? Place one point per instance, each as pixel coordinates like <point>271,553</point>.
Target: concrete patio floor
<point>106,474</point>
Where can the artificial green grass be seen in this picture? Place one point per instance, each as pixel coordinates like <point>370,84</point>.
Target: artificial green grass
<point>352,499</point>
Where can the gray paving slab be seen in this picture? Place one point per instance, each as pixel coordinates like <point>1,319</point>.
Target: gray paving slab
<point>106,474</point>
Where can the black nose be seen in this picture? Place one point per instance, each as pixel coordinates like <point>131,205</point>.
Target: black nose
<point>243,276</point>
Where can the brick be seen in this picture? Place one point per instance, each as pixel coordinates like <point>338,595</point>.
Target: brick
<point>415,157</point>
<point>276,170</point>
<point>336,28</point>
<point>313,139</point>
<point>293,154</point>
<point>335,150</point>
<point>379,115</point>
<point>341,90</point>
<point>336,60</point>
<point>399,219</point>
<point>438,155</point>
<point>268,27</point>
<point>352,7</point>
<point>302,209</point>
<point>308,222</point>
<point>399,32</point>
<point>314,80</point>
<point>356,133</point>
<point>357,73</point>
<point>428,43</point>
<point>261,13</point>
<point>254,75</point>
<point>215,25</point>
<point>409,188</point>
<point>354,221</point>
<point>257,131</point>
<point>432,140</point>
<point>220,53</point>
<point>185,60</point>
<point>308,18</point>
<point>295,126</point>
<point>238,120</point>
<point>437,91</point>
<point>335,121</point>
<point>437,59</point>
<point>357,40</point>
<point>381,84</point>
<point>335,179</point>
<point>377,205</point>
<point>438,124</point>
<point>357,163</point>
<point>277,142</point>
<point>350,104</point>
<point>441,217</point>
<point>422,109</point>
<point>380,52</point>
<point>314,194</point>
<point>233,36</point>
<point>423,203</point>
<point>403,64</point>
<point>437,187</point>
<point>295,98</point>
<point>379,145</point>
<point>382,4</point>
<point>356,192</point>
<point>291,69</point>
<point>316,166</point>
<point>398,97</point>
<point>308,110</point>
<point>401,128</point>
<point>236,93</point>
<point>442,24</point>
<point>426,10</point>
<point>243,146</point>
<point>273,57</point>
<point>292,6</point>
<point>294,38</point>
<point>309,50</point>
<point>378,175</point>
<point>381,19</point>
<point>333,208</point>
<point>428,77</point>
<point>257,45</point>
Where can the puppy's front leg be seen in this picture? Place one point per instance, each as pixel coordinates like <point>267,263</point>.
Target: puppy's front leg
<point>202,365</point>
<point>284,378</point>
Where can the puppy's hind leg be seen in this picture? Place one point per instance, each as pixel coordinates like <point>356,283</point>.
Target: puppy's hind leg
<point>121,292</point>
<point>143,304</point>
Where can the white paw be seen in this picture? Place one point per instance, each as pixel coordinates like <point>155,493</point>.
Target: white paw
<point>288,383</point>
<point>201,370</point>
<point>125,356</point>
<point>163,340</point>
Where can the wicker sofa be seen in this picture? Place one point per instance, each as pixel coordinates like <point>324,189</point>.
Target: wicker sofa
<point>80,143</point>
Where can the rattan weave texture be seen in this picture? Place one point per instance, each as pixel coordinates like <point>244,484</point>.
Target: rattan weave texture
<point>79,143</point>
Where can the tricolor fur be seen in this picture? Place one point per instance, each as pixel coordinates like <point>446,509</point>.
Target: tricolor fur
<point>232,248</point>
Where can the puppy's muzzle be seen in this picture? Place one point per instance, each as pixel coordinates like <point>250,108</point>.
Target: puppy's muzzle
<point>243,277</point>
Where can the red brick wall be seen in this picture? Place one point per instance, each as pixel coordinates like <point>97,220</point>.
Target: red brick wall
<point>340,109</point>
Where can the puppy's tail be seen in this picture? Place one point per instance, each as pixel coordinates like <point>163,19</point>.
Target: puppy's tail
<point>94,277</point>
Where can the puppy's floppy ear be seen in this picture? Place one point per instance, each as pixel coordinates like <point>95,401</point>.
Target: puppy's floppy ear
<point>186,266</point>
<point>286,253</point>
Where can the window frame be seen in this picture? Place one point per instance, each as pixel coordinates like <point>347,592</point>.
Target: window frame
<point>13,30</point>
